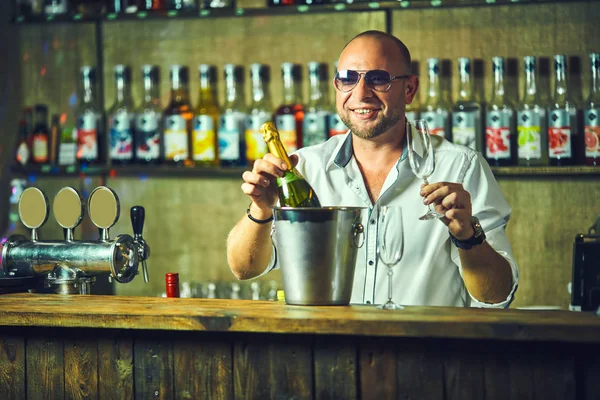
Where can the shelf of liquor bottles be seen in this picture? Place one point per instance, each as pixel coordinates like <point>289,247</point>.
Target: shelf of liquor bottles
<point>291,7</point>
<point>172,171</point>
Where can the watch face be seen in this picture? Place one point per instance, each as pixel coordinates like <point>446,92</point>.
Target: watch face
<point>479,234</point>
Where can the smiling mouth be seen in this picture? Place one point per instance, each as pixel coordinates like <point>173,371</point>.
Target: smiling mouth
<point>365,112</point>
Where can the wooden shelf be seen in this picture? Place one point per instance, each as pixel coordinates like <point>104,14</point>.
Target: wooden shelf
<point>357,6</point>
<point>518,171</point>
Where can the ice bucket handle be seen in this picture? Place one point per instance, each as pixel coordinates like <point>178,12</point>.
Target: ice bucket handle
<point>358,234</point>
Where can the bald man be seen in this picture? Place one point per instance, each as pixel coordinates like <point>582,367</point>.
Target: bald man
<point>462,259</point>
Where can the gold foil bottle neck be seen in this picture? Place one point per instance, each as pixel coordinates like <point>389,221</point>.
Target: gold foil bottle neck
<point>269,131</point>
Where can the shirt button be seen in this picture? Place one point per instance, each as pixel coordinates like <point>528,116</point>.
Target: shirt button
<point>370,262</point>
<point>368,302</point>
<point>372,221</point>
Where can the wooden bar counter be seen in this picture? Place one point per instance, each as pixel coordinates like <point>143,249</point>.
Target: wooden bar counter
<point>114,347</point>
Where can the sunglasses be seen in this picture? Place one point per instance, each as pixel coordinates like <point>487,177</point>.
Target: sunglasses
<point>377,79</point>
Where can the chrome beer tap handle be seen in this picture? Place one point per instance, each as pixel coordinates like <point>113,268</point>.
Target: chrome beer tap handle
<point>33,210</point>
<point>104,209</point>
<point>138,215</point>
<point>68,211</point>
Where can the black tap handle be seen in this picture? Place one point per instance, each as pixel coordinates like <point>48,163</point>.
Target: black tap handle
<point>137,220</point>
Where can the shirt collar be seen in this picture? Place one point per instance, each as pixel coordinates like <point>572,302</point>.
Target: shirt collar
<point>343,153</point>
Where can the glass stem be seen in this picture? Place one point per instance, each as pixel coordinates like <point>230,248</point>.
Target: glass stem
<point>426,182</point>
<point>390,272</point>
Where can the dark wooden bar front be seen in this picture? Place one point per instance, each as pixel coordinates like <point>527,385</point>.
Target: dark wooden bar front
<point>111,347</point>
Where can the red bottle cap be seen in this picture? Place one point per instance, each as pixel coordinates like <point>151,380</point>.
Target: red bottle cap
<point>172,278</point>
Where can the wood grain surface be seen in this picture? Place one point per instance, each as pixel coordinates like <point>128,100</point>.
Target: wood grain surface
<point>262,316</point>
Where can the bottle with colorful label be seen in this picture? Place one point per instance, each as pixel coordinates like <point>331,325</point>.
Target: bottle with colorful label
<point>148,120</point>
<point>22,153</point>
<point>591,114</point>
<point>500,137</point>
<point>562,118</point>
<point>466,112</point>
<point>532,133</point>
<point>90,148</point>
<point>334,122</point>
<point>177,119</point>
<point>435,110</point>
<point>232,123</point>
<point>41,136</point>
<point>289,116</point>
<point>121,119</point>
<point>261,111</point>
<point>315,129</point>
<point>205,145</point>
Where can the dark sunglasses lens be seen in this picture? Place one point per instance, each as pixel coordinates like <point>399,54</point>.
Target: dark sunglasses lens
<point>378,79</point>
<point>346,79</point>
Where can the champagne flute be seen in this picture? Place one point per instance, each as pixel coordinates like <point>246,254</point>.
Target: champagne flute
<point>421,158</point>
<point>390,246</point>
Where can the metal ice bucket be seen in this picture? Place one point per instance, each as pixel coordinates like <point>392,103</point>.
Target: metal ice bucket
<point>316,252</point>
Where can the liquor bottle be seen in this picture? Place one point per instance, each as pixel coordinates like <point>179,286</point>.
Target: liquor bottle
<point>500,137</point>
<point>531,121</point>
<point>412,111</point>
<point>22,153</point>
<point>335,123</point>
<point>89,128</point>
<point>205,148</point>
<point>90,8</point>
<point>232,147</point>
<point>67,146</point>
<point>435,110</point>
<point>54,139</point>
<point>314,127</point>
<point>178,119</point>
<point>562,119</point>
<point>41,136</point>
<point>172,284</point>
<point>289,116</point>
<point>466,112</point>
<point>121,119</point>
<point>181,5</point>
<point>151,5</point>
<point>592,114</point>
<point>261,110</point>
<point>55,7</point>
<point>148,119</point>
<point>292,188</point>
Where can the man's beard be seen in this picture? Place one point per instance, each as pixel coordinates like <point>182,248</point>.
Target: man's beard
<point>382,125</point>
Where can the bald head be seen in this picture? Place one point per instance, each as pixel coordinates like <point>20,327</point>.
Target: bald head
<point>390,42</point>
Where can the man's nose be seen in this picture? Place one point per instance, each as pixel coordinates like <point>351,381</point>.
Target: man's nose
<point>362,90</point>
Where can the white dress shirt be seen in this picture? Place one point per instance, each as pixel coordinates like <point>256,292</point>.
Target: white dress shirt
<point>429,272</point>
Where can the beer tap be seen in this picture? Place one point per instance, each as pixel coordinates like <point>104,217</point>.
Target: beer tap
<point>138,214</point>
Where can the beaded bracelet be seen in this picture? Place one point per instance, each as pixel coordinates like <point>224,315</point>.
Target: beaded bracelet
<point>258,221</point>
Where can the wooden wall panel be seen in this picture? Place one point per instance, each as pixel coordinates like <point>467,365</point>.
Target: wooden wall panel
<point>12,366</point>
<point>45,368</point>
<point>153,368</point>
<point>378,370</point>
<point>81,369</point>
<point>336,368</point>
<point>115,367</point>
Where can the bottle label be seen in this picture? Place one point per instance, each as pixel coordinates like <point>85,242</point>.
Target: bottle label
<point>436,121</point>
<point>176,138</point>
<point>336,125</point>
<point>40,148</point>
<point>497,134</point>
<point>256,147</point>
<point>205,138</point>
<point>314,128</point>
<point>411,115</point>
<point>559,134</point>
<point>529,134</point>
<point>67,150</point>
<point>286,125</point>
<point>592,133</point>
<point>121,136</point>
<point>463,128</point>
<point>148,136</point>
<point>23,153</point>
<point>87,137</point>
<point>230,135</point>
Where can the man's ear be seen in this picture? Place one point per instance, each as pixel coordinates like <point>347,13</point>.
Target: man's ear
<point>411,87</point>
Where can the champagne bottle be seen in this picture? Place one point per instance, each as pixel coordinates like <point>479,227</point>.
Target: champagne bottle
<point>293,189</point>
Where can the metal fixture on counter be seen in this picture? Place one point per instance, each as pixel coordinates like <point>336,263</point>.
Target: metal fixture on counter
<point>71,266</point>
